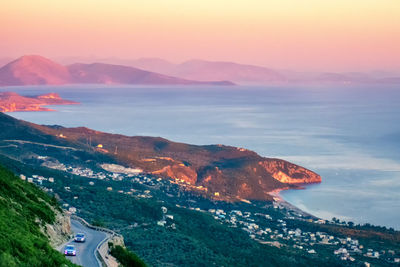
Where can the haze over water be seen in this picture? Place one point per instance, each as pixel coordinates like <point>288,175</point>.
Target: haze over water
<point>349,135</point>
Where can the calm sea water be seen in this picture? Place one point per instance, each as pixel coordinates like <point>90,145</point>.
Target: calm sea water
<point>349,135</point>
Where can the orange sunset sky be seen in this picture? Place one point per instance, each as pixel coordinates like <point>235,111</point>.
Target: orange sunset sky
<point>338,35</point>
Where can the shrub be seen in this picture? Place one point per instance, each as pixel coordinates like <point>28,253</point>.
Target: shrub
<point>126,258</point>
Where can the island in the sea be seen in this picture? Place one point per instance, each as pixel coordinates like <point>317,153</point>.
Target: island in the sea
<point>11,102</point>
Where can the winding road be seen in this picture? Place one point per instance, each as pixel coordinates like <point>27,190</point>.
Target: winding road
<point>85,252</point>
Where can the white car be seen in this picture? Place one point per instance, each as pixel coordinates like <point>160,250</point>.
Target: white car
<point>80,237</point>
<point>70,250</point>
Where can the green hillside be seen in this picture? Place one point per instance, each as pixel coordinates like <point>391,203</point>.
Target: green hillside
<point>23,207</point>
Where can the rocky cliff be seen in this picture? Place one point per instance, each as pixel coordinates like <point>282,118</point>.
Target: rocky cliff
<point>59,231</point>
<point>289,173</point>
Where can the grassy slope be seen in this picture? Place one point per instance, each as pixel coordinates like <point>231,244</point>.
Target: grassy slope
<point>22,207</point>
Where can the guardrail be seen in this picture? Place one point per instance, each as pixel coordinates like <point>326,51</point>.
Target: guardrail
<point>100,259</point>
<point>97,228</point>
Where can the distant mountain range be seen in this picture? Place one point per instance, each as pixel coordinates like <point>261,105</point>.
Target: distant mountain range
<point>36,70</point>
<point>202,70</point>
<point>249,74</point>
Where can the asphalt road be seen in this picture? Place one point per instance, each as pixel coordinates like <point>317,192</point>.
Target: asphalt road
<point>85,252</point>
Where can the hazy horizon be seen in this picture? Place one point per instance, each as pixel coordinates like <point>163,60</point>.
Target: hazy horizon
<point>338,36</point>
<point>67,60</point>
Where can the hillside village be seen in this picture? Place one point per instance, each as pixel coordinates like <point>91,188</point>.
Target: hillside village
<point>271,224</point>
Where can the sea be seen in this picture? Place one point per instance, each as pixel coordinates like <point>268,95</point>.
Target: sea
<point>348,134</point>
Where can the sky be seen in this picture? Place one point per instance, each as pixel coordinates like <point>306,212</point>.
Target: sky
<point>306,35</point>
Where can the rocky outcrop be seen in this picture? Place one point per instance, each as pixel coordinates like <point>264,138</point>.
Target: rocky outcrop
<point>60,231</point>
<point>178,172</point>
<point>289,173</point>
<point>117,240</point>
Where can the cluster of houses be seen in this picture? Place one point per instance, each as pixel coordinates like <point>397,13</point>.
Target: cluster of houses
<point>133,192</point>
<point>119,173</point>
<point>37,179</point>
<point>350,247</point>
<point>80,171</point>
<point>389,255</point>
<point>85,172</point>
<point>69,208</point>
<point>167,219</point>
<point>145,180</point>
<point>278,234</point>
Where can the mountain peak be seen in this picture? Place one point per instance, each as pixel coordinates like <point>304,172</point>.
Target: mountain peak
<point>33,61</point>
<point>33,70</point>
<point>32,58</point>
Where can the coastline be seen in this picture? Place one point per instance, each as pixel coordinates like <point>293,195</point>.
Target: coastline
<point>280,202</point>
<point>13,102</point>
<point>32,108</point>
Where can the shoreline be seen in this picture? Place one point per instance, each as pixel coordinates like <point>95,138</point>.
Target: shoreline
<point>14,102</point>
<point>281,202</point>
